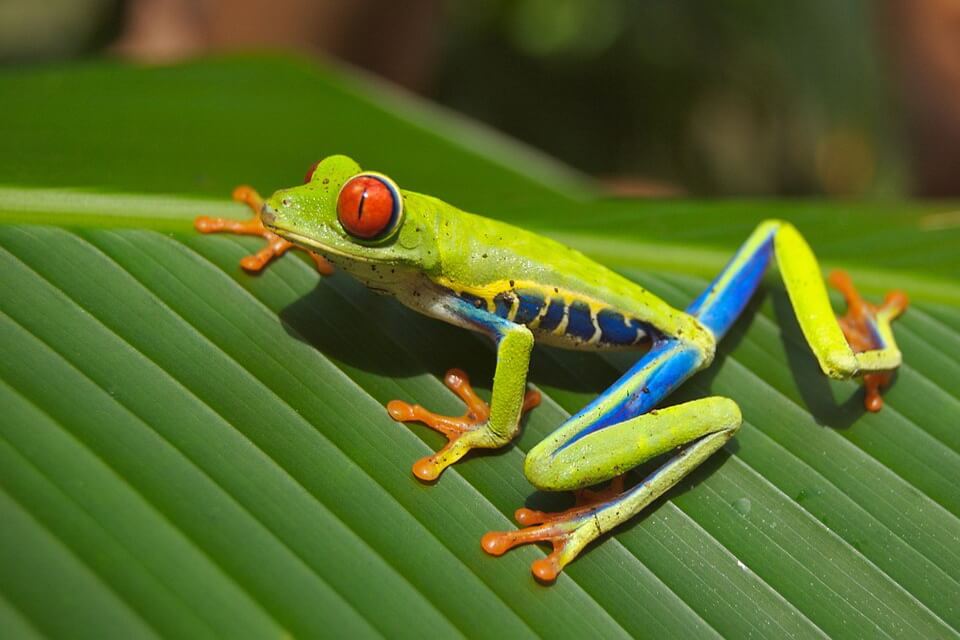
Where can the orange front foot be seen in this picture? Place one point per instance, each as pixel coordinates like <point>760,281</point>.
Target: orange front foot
<point>276,246</point>
<point>858,327</point>
<point>463,432</point>
<point>568,531</point>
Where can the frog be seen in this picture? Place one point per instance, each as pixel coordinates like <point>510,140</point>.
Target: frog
<point>519,288</point>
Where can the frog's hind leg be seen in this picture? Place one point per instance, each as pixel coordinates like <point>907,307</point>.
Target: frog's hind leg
<point>615,433</point>
<point>275,247</point>
<point>859,344</point>
<point>701,427</point>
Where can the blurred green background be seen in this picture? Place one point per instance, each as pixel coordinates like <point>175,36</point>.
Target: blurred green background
<point>653,97</point>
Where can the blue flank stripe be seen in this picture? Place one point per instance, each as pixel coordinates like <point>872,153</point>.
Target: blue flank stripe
<point>643,330</point>
<point>580,322</point>
<point>502,303</point>
<point>531,303</point>
<point>614,328</point>
<point>551,319</point>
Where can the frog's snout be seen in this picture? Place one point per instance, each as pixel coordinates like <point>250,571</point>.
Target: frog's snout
<point>268,216</point>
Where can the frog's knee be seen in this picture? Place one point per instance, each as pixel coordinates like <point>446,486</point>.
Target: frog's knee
<point>536,467</point>
<point>839,364</point>
<point>727,415</point>
<point>542,469</point>
<point>772,225</point>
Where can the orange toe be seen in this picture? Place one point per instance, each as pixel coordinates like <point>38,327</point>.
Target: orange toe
<point>400,410</point>
<point>427,469</point>
<point>495,543</point>
<point>545,569</point>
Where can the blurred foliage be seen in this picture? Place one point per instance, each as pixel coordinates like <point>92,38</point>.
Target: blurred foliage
<point>719,97</point>
<point>658,96</point>
<point>31,30</point>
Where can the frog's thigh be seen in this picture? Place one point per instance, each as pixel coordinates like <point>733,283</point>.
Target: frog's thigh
<point>613,450</point>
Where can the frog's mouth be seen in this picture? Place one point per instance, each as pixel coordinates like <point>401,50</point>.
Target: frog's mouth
<point>268,216</point>
<point>321,254</point>
<point>305,242</point>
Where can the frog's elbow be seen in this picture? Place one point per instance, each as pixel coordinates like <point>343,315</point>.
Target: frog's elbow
<point>704,341</point>
<point>839,364</point>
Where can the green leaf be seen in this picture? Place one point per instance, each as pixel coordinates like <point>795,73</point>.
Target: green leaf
<point>188,451</point>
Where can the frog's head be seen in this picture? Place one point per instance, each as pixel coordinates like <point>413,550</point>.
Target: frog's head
<point>352,217</point>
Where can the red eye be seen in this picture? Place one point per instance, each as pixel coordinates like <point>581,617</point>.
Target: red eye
<point>307,178</point>
<point>368,206</point>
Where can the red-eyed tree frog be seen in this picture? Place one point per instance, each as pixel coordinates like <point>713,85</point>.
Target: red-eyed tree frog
<point>517,287</point>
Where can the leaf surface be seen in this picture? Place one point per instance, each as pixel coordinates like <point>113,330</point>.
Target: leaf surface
<point>190,451</point>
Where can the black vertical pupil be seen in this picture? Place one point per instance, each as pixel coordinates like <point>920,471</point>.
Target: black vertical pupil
<point>363,200</point>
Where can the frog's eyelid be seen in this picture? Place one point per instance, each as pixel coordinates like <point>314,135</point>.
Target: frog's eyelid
<point>312,170</point>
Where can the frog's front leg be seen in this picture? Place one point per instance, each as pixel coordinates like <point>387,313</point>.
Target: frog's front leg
<point>275,247</point>
<point>482,426</point>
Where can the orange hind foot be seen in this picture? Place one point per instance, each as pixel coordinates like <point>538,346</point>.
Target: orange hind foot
<point>558,534</point>
<point>858,325</point>
<point>276,246</point>
<point>568,531</point>
<point>463,432</point>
